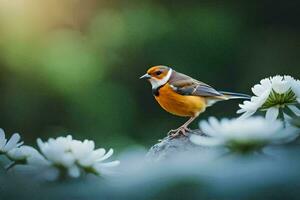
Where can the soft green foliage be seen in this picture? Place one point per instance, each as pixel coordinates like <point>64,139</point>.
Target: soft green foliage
<point>73,66</point>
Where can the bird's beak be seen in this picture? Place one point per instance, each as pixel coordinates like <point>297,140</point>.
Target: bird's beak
<point>145,76</point>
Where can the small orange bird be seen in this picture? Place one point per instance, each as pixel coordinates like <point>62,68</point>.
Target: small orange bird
<point>184,96</point>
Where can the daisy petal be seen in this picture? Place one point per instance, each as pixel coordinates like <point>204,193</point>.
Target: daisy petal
<point>279,85</point>
<point>206,128</point>
<point>246,115</point>
<point>294,109</point>
<point>272,113</point>
<point>205,141</point>
<point>12,142</point>
<point>2,138</point>
<point>108,164</point>
<point>74,171</point>
<point>106,156</point>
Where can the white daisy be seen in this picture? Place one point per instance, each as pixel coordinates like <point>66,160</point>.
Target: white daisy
<point>12,143</point>
<point>296,89</point>
<point>91,159</point>
<point>27,155</point>
<point>75,156</point>
<point>243,135</point>
<point>272,95</point>
<point>58,151</point>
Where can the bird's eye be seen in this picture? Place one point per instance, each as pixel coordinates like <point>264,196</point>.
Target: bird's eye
<point>158,73</point>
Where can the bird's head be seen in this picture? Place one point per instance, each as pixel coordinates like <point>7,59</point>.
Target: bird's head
<point>158,75</point>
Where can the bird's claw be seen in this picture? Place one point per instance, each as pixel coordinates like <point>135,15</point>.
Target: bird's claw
<point>180,131</point>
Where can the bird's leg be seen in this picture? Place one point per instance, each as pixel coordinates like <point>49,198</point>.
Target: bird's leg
<point>182,129</point>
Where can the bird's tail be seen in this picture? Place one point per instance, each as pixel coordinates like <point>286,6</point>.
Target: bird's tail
<point>231,95</point>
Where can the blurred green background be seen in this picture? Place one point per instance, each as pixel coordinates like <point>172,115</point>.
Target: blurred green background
<point>72,66</point>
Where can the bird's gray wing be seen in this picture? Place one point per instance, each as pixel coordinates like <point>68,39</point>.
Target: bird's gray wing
<point>185,85</point>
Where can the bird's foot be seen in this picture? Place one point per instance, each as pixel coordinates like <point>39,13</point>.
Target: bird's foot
<point>183,130</point>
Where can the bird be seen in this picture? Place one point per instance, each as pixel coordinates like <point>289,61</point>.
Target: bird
<point>184,96</point>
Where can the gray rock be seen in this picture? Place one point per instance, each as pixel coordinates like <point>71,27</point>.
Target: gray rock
<point>168,147</point>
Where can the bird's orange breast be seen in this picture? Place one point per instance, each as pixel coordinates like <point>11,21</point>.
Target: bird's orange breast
<point>185,106</point>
